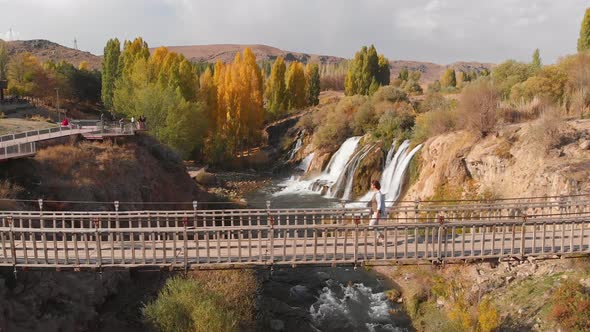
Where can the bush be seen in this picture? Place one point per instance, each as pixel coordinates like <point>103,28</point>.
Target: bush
<point>478,107</point>
<point>364,119</point>
<point>571,306</point>
<point>548,131</point>
<point>206,301</point>
<point>390,93</point>
<point>397,122</point>
<point>488,318</point>
<point>435,101</point>
<point>434,123</point>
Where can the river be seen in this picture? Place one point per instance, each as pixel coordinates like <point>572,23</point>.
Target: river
<point>322,298</point>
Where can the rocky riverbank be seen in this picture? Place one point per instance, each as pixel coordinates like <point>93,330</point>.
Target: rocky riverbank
<point>514,295</point>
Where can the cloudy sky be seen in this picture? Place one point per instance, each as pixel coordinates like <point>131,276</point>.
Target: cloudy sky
<point>441,31</point>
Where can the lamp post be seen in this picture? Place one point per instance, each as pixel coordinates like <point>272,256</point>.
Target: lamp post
<point>58,113</point>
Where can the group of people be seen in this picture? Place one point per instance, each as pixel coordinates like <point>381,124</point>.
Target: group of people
<point>140,124</point>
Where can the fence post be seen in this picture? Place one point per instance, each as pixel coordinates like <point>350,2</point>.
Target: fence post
<point>195,206</point>
<point>98,249</point>
<point>522,236</point>
<point>416,208</point>
<point>441,225</point>
<point>343,204</point>
<point>185,247</point>
<point>11,239</point>
<point>271,231</point>
<point>357,221</point>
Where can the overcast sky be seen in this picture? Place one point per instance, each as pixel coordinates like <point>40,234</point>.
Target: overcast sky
<point>441,31</point>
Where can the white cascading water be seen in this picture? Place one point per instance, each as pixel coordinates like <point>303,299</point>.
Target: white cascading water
<point>297,147</point>
<point>346,179</point>
<point>351,308</point>
<point>328,177</point>
<point>306,162</point>
<point>393,173</point>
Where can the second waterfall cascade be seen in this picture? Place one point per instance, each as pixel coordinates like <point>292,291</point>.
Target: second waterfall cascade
<point>337,180</point>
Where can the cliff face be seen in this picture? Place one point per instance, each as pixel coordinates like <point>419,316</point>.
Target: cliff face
<point>512,163</point>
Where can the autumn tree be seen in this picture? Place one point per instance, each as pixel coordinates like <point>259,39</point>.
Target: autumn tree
<point>276,90</point>
<point>3,60</point>
<point>239,101</point>
<point>208,91</point>
<point>164,88</point>
<point>536,64</point>
<point>366,72</point>
<point>312,75</point>
<point>449,78</point>
<point>296,84</point>
<point>110,71</point>
<point>584,40</point>
<point>403,74</point>
<point>27,77</point>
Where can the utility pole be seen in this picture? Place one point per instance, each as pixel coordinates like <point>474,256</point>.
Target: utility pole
<point>58,113</point>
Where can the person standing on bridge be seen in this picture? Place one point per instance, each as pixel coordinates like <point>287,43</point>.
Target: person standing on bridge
<point>377,205</point>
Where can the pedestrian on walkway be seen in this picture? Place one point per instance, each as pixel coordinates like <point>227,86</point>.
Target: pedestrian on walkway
<point>377,206</point>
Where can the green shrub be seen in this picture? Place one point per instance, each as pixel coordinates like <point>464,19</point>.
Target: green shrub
<point>390,93</point>
<point>397,123</point>
<point>364,119</point>
<point>207,301</point>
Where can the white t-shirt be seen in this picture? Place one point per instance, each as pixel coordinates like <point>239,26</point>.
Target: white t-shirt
<point>380,200</point>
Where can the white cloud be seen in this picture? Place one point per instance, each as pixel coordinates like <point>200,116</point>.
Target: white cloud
<point>434,30</point>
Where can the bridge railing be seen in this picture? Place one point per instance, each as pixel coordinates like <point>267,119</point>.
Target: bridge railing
<point>185,247</point>
<point>417,213</point>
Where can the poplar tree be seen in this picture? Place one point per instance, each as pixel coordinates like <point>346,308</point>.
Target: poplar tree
<point>584,40</point>
<point>367,71</point>
<point>297,96</point>
<point>110,71</point>
<point>276,91</point>
<point>312,74</point>
<point>448,79</point>
<point>3,60</point>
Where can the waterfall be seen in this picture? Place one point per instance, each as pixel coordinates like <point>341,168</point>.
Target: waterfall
<point>328,177</point>
<point>297,147</point>
<point>346,178</point>
<point>394,171</point>
<point>306,162</point>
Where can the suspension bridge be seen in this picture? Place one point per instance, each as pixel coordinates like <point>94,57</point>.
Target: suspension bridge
<point>412,233</point>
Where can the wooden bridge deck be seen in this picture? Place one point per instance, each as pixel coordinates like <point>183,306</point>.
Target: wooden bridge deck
<point>336,236</point>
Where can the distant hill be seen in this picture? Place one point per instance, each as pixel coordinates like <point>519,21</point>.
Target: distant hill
<point>227,52</point>
<point>46,50</point>
<point>432,71</point>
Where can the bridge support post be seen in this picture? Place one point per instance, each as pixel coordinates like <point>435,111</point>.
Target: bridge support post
<point>416,208</point>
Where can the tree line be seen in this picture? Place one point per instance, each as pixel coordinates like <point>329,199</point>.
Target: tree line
<point>201,110</point>
<point>28,77</point>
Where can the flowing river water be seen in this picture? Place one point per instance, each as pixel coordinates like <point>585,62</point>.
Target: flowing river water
<point>322,298</point>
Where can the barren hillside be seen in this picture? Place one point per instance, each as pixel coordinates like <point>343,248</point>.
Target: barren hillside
<point>227,52</point>
<point>46,50</point>
<point>432,71</point>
